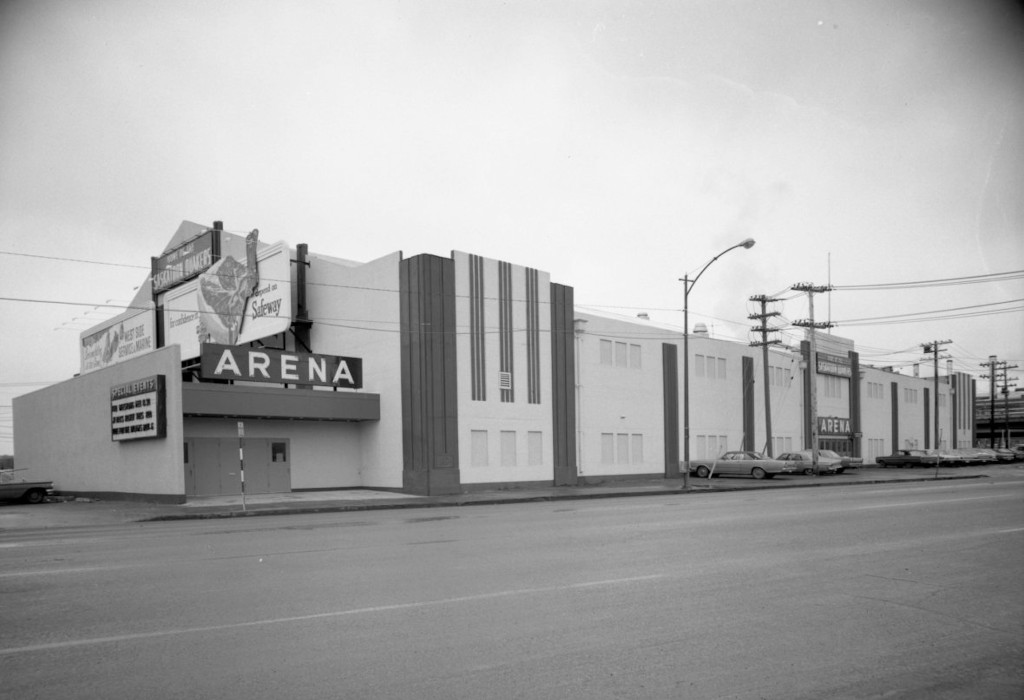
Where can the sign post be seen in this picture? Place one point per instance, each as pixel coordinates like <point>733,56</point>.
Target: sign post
<point>241,458</point>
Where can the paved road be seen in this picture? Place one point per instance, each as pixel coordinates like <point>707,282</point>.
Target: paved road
<point>894,591</point>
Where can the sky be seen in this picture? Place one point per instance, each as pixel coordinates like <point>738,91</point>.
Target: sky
<point>619,146</point>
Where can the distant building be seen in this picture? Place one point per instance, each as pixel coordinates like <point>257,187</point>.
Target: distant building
<point>1000,419</point>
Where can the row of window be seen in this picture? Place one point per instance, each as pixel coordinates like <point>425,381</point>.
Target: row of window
<point>833,386</point>
<point>619,354</point>
<point>779,376</point>
<point>622,448</point>
<point>511,448</point>
<point>709,366</point>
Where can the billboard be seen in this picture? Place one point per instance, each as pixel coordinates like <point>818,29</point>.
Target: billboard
<point>836,365</point>
<point>123,337</point>
<point>244,296</point>
<point>186,261</point>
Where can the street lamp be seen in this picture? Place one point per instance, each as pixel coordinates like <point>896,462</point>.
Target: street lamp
<point>687,286</point>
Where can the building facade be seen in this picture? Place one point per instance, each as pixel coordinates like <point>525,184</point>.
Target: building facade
<point>246,365</point>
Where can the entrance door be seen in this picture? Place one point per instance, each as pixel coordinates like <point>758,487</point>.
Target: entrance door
<point>213,466</point>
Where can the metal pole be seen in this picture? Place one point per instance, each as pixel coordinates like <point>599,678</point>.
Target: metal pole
<point>686,382</point>
<point>687,286</point>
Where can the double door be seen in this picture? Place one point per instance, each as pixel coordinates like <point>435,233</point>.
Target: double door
<point>215,466</point>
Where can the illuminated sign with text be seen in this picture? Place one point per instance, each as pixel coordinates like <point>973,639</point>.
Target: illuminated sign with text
<point>137,409</point>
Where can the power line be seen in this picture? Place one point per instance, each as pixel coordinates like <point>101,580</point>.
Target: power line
<point>947,281</point>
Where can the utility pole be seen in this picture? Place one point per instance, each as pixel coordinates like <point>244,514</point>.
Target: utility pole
<point>994,367</point>
<point>934,349</point>
<point>764,330</point>
<point>1006,404</point>
<point>812,369</point>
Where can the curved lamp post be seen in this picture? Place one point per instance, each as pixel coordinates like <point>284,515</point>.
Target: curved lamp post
<point>687,286</point>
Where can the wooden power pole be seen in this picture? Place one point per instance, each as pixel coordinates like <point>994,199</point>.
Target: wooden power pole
<point>764,330</point>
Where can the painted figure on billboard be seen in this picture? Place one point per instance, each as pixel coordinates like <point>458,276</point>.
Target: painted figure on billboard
<point>224,290</point>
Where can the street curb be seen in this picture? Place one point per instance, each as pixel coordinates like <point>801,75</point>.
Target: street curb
<point>458,501</point>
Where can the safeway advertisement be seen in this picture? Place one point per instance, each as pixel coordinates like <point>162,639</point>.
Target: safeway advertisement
<point>245,296</point>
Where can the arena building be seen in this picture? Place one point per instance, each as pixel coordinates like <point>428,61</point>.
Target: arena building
<point>242,364</point>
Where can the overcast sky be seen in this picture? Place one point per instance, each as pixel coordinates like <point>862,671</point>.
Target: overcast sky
<point>617,145</point>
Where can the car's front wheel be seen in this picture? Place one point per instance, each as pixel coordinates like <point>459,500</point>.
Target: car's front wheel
<point>703,472</point>
<point>808,471</point>
<point>35,496</point>
<point>758,473</point>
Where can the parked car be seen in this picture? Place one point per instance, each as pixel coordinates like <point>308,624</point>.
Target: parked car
<point>26,491</point>
<point>741,463</point>
<point>906,458</point>
<point>986,454</point>
<point>969,455</point>
<point>1005,455</point>
<point>948,458</point>
<point>804,461</point>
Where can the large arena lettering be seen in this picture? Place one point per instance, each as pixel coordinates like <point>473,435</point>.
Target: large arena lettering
<point>279,366</point>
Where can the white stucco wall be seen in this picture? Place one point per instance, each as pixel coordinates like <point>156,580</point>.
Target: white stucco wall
<point>517,419</point>
<point>620,403</point>
<point>356,313</point>
<point>62,433</point>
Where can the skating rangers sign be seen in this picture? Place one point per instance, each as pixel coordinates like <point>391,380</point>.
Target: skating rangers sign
<point>279,366</point>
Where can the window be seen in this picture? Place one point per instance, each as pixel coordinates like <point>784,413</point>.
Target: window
<point>709,366</point>
<point>833,387</point>
<point>637,449</point>
<point>711,446</point>
<point>620,354</point>
<point>508,448</point>
<point>779,376</point>
<point>910,396</point>
<point>622,448</point>
<point>634,356</point>
<point>607,448</point>
<point>478,448</point>
<point>535,448</point>
<point>782,445</point>
<point>876,390</point>
<point>278,452</point>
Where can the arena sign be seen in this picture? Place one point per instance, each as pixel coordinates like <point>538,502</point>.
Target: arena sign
<point>832,425</point>
<point>279,366</point>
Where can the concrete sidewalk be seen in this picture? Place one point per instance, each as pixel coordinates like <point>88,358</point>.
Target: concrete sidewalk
<point>92,512</point>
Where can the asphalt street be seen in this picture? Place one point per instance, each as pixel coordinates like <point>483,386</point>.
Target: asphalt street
<point>891,591</point>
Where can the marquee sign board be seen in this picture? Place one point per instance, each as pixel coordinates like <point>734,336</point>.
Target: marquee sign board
<point>137,409</point>
<point>279,366</point>
<point>836,365</point>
